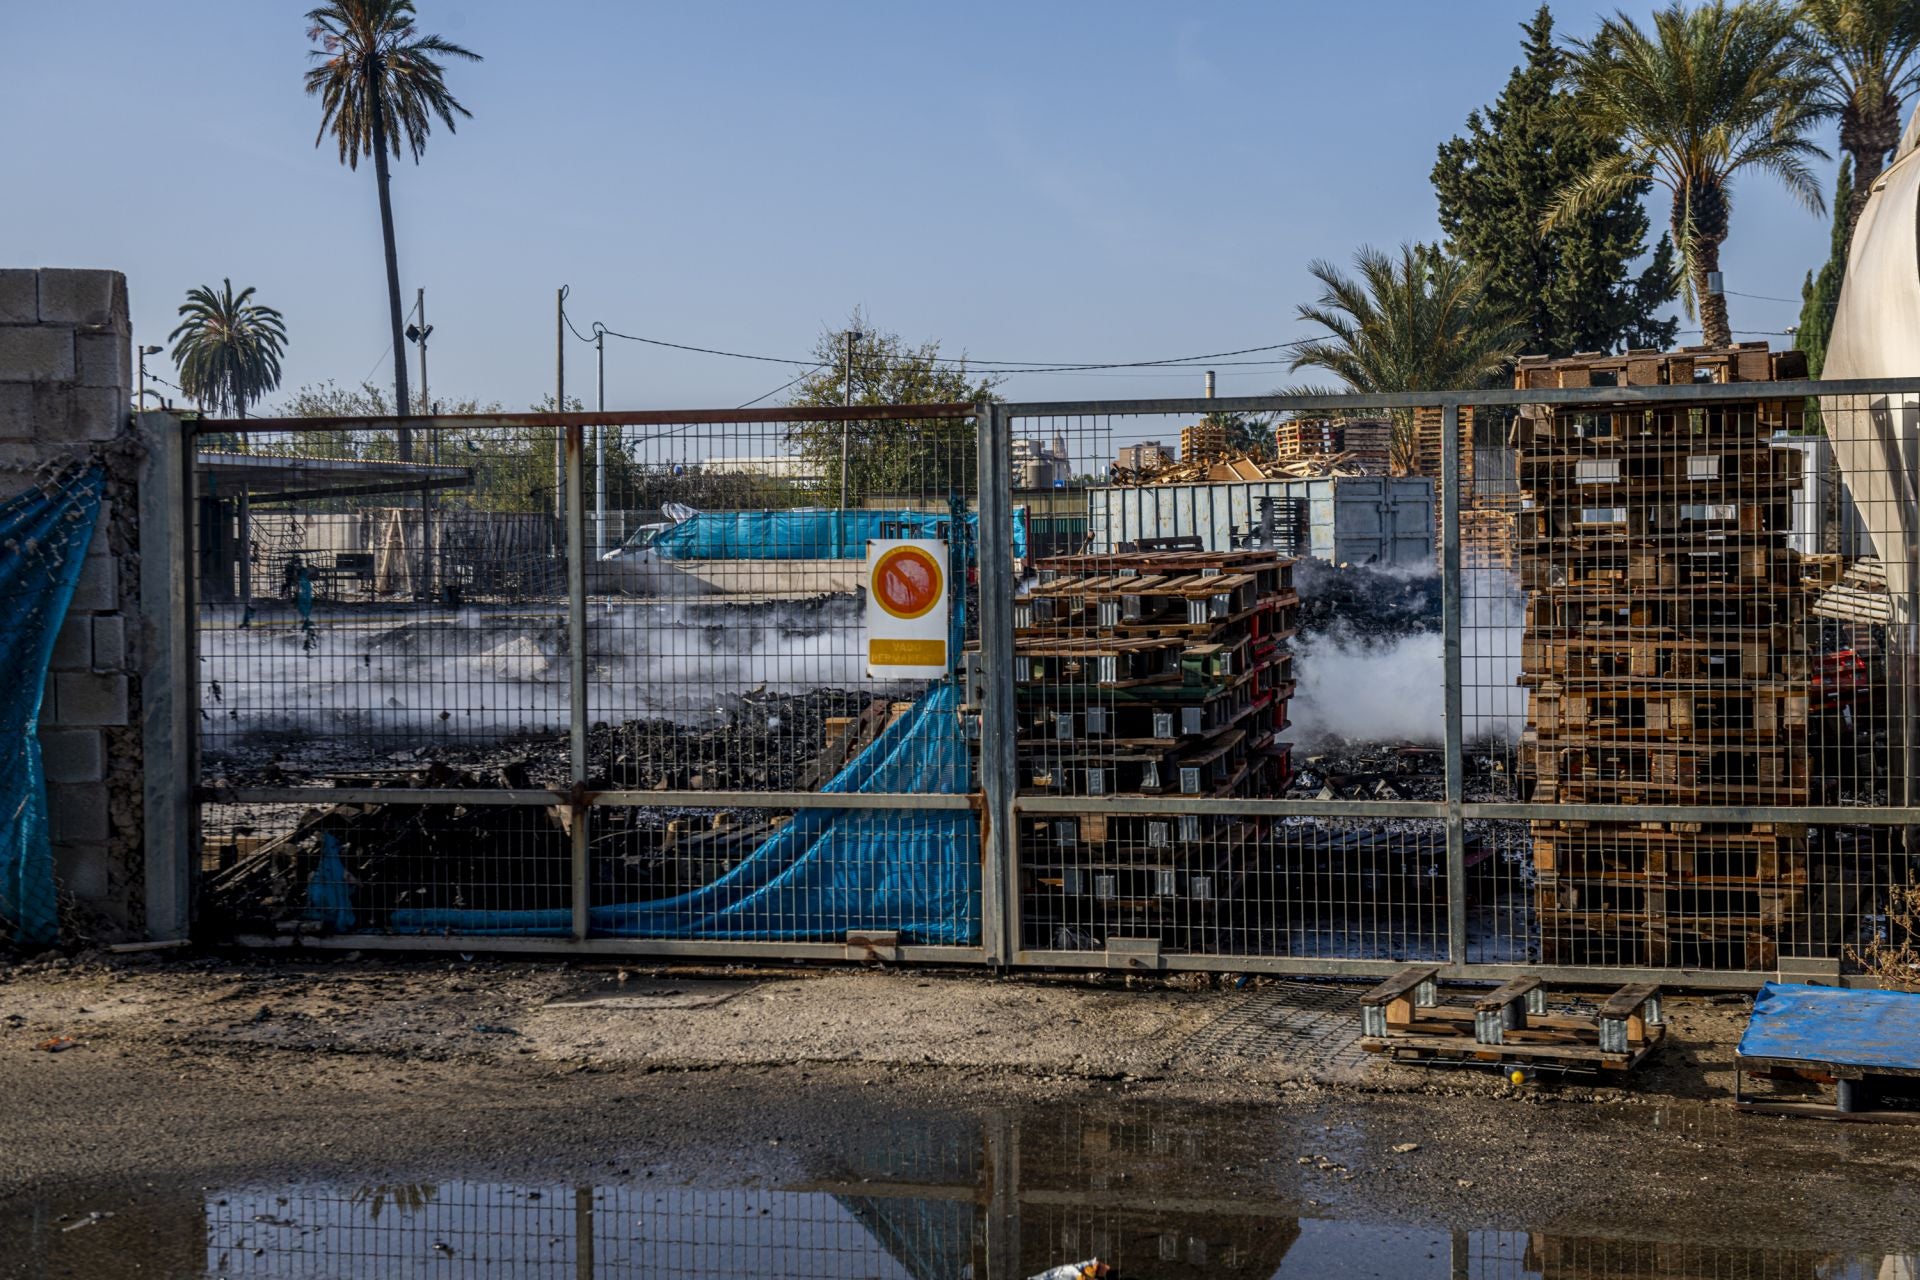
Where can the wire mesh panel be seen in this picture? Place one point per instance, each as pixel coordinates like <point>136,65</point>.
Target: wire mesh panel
<point>367,602</point>
<point>438,696</point>
<point>1684,610</point>
<point>737,644</point>
<point>1253,619</point>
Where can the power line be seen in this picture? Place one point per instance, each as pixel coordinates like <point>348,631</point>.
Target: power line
<point>1008,366</point>
<point>782,387</point>
<point>1760,297</point>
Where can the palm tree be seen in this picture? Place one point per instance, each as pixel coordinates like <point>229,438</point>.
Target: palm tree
<point>1868,54</point>
<point>380,83</point>
<point>1708,92</point>
<point>1418,321</point>
<point>227,348</point>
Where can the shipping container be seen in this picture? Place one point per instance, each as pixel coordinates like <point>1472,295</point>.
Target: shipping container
<point>1379,520</point>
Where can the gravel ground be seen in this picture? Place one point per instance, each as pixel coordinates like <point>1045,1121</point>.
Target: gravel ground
<point>216,1072</point>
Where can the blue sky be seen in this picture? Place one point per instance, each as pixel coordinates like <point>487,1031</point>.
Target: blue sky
<point>1037,181</point>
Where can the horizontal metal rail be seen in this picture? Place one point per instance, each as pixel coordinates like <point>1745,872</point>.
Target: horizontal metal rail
<point>560,796</point>
<point>609,418</point>
<point>1698,392</point>
<point>1237,806</point>
<point>1358,970</point>
<point>601,945</point>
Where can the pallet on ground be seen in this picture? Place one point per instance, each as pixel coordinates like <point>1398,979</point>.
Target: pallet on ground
<point>1610,939</point>
<point>1863,1043</point>
<point>1406,1018</point>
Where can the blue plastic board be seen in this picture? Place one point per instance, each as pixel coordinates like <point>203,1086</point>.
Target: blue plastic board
<point>1834,1025</point>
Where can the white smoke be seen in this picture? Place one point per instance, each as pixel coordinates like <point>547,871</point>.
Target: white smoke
<point>480,674</point>
<point>1357,687</point>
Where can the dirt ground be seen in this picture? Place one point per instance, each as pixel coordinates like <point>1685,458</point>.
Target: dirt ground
<point>216,1069</point>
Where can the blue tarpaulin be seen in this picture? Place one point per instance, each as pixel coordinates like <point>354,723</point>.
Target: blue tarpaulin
<point>1834,1025</point>
<point>813,533</point>
<point>828,871</point>
<point>44,534</point>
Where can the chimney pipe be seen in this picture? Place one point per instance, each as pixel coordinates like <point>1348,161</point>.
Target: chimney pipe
<point>1209,384</point>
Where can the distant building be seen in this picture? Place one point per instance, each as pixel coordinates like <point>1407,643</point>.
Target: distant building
<point>1041,466</point>
<point>777,466</point>
<point>1149,455</point>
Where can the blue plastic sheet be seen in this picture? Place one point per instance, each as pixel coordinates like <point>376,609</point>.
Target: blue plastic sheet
<point>828,871</point>
<point>44,534</point>
<point>1834,1025</point>
<point>812,533</point>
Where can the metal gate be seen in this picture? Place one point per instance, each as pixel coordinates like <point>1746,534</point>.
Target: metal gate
<point>1605,717</point>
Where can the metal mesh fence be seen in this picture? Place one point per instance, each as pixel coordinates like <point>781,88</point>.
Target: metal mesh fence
<point>503,720</point>
<point>1208,656</point>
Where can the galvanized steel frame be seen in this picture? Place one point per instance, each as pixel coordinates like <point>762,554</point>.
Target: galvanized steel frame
<point>1453,812</point>
<point>997,801</point>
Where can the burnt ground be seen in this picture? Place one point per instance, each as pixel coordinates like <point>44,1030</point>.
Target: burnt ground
<point>231,1071</point>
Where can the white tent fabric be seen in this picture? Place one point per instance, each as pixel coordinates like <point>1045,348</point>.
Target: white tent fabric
<point>1876,334</point>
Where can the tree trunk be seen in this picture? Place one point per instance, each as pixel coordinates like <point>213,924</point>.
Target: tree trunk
<point>1869,139</point>
<point>1715,326</point>
<point>402,405</point>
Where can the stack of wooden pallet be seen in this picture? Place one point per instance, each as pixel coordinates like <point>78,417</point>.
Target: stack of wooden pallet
<point>1362,441</point>
<point>1666,651</point>
<point>1149,673</point>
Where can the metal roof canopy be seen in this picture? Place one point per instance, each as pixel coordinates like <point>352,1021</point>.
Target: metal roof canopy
<point>269,477</point>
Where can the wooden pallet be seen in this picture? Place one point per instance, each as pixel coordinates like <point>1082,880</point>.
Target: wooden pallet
<point>1655,467</point>
<point>1680,613</point>
<point>1405,1018</point>
<point>1646,367</point>
<point>1622,654</point>
<point>1744,424</point>
<point>1618,563</point>
<point>1632,851</point>
<point>1720,713</point>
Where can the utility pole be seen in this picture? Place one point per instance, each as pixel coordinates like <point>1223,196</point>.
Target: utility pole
<point>600,448</point>
<point>853,336</point>
<point>420,309</point>
<point>417,333</point>
<point>560,401</point>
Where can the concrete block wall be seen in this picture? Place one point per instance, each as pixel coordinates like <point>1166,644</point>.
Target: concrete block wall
<point>65,386</point>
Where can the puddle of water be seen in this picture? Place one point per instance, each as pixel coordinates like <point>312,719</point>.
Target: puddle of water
<point>1003,1196</point>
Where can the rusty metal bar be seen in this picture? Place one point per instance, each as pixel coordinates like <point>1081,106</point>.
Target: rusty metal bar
<point>1699,393</point>
<point>581,879</point>
<point>611,418</point>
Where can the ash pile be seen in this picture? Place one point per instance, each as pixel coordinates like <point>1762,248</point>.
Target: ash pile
<point>489,857</point>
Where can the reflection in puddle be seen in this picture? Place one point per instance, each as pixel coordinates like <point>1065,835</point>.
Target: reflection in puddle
<point>953,1198</point>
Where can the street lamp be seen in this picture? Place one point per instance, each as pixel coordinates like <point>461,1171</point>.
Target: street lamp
<point>139,400</point>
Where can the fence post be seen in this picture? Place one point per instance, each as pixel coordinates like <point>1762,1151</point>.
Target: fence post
<point>1000,921</point>
<point>168,684</point>
<point>577,670</point>
<point>1450,602</point>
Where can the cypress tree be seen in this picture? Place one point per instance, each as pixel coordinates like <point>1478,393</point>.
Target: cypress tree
<point>1820,295</point>
<point>1573,289</point>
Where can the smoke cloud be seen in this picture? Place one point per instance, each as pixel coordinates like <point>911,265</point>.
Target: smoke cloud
<point>1364,681</point>
<point>481,675</point>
